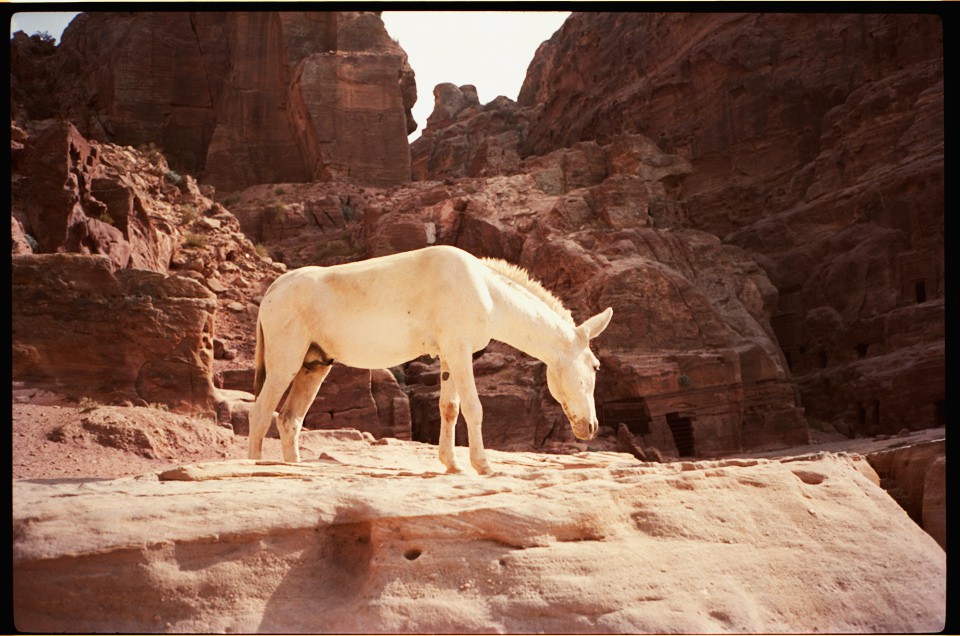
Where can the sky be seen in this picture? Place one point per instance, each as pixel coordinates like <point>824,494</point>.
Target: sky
<point>489,49</point>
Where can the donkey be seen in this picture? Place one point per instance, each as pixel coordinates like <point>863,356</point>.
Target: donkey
<point>385,311</point>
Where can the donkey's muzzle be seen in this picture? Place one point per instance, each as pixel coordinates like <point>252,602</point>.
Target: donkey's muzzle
<point>585,430</point>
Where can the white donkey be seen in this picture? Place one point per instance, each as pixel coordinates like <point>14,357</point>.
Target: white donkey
<point>385,311</point>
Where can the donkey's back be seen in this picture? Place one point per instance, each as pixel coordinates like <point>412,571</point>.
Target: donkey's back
<point>383,311</point>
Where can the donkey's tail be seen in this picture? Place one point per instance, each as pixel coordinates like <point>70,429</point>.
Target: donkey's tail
<point>260,368</point>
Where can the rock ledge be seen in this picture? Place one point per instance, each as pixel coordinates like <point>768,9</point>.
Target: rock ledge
<point>371,537</point>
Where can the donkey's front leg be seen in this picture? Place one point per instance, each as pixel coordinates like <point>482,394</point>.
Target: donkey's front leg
<point>449,410</point>
<point>461,371</point>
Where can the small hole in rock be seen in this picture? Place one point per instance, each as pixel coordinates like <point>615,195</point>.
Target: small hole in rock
<point>412,554</point>
<point>810,477</point>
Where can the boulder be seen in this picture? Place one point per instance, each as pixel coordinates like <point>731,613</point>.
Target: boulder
<point>371,537</point>
<point>85,331</point>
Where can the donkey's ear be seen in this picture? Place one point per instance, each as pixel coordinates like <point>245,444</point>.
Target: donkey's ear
<point>593,327</point>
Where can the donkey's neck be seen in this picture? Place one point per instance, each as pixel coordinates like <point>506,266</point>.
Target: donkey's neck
<point>525,322</point>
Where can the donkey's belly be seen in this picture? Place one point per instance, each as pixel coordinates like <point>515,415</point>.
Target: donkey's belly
<point>370,344</point>
<point>377,317</point>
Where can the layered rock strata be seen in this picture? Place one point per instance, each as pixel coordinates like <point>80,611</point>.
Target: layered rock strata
<point>234,98</point>
<point>816,144</point>
<point>135,336</point>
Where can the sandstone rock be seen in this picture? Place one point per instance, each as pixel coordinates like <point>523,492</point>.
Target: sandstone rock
<point>85,331</point>
<point>449,101</point>
<point>123,430</point>
<point>627,444</point>
<point>679,194</point>
<point>233,410</point>
<point>555,220</point>
<point>221,92</point>
<point>814,143</point>
<point>20,241</point>
<point>71,202</point>
<point>712,365</point>
<point>369,537</point>
<point>74,195</point>
<point>345,400</point>
<point>464,139</point>
<point>236,379</point>
<point>393,405</point>
<point>517,413</point>
<point>935,501</point>
<point>146,223</point>
<point>915,476</point>
<point>579,166</point>
<point>699,309</point>
<point>305,224</point>
<point>349,112</point>
<point>361,399</point>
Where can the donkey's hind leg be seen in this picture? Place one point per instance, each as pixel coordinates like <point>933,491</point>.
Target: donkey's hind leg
<point>281,368</point>
<point>261,415</point>
<point>303,391</point>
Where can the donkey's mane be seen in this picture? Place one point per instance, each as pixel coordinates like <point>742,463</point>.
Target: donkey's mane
<point>520,276</point>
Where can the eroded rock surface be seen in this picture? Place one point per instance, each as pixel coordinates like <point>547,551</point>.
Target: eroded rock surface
<point>238,97</point>
<point>369,537</point>
<point>815,144</point>
<point>758,196</point>
<point>131,335</point>
<point>915,476</point>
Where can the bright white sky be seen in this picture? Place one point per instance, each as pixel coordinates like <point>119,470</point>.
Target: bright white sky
<point>489,49</point>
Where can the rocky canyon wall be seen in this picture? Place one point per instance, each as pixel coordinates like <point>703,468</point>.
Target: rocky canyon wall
<point>758,196</point>
<point>814,145</point>
<point>233,98</point>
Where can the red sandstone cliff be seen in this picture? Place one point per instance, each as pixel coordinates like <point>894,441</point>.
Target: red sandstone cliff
<point>760,197</point>
<point>234,98</point>
<point>712,270</point>
<point>815,144</point>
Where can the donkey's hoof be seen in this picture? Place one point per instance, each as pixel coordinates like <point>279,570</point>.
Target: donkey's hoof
<point>483,469</point>
<point>453,469</point>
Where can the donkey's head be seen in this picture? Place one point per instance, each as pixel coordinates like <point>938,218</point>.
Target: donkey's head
<point>571,379</point>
